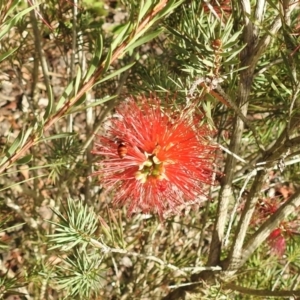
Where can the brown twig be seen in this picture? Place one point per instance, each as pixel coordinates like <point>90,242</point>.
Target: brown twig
<point>243,225</point>
<point>261,293</point>
<point>238,127</point>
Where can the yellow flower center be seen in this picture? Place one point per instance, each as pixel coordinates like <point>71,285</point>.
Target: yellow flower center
<point>152,167</point>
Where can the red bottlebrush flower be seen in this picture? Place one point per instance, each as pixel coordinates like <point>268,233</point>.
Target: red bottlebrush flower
<point>277,242</point>
<point>154,160</point>
<point>265,208</point>
<point>278,237</point>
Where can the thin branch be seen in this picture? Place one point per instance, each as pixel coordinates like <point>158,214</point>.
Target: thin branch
<point>278,279</point>
<point>29,221</point>
<point>241,116</point>
<point>109,107</point>
<point>212,10</point>
<point>281,146</point>
<point>231,153</point>
<point>4,9</point>
<point>296,281</point>
<point>275,152</point>
<point>38,46</point>
<point>182,285</point>
<point>248,33</point>
<point>237,203</point>
<point>225,193</point>
<point>289,207</point>
<point>182,271</point>
<point>296,91</point>
<point>271,64</point>
<point>243,225</point>
<point>244,88</point>
<point>258,15</point>
<point>261,293</point>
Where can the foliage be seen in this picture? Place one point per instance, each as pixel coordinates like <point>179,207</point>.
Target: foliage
<point>68,72</point>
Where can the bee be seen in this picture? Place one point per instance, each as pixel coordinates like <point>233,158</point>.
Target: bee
<point>122,150</point>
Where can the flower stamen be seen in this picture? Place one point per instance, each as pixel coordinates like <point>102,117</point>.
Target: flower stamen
<point>152,167</point>
<point>163,160</point>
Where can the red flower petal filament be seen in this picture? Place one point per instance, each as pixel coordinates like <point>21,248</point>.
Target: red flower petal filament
<point>277,242</point>
<point>154,161</point>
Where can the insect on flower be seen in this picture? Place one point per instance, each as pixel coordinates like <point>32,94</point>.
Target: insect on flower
<point>155,160</point>
<point>122,150</point>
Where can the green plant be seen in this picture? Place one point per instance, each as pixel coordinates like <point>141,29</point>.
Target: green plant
<point>67,68</point>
